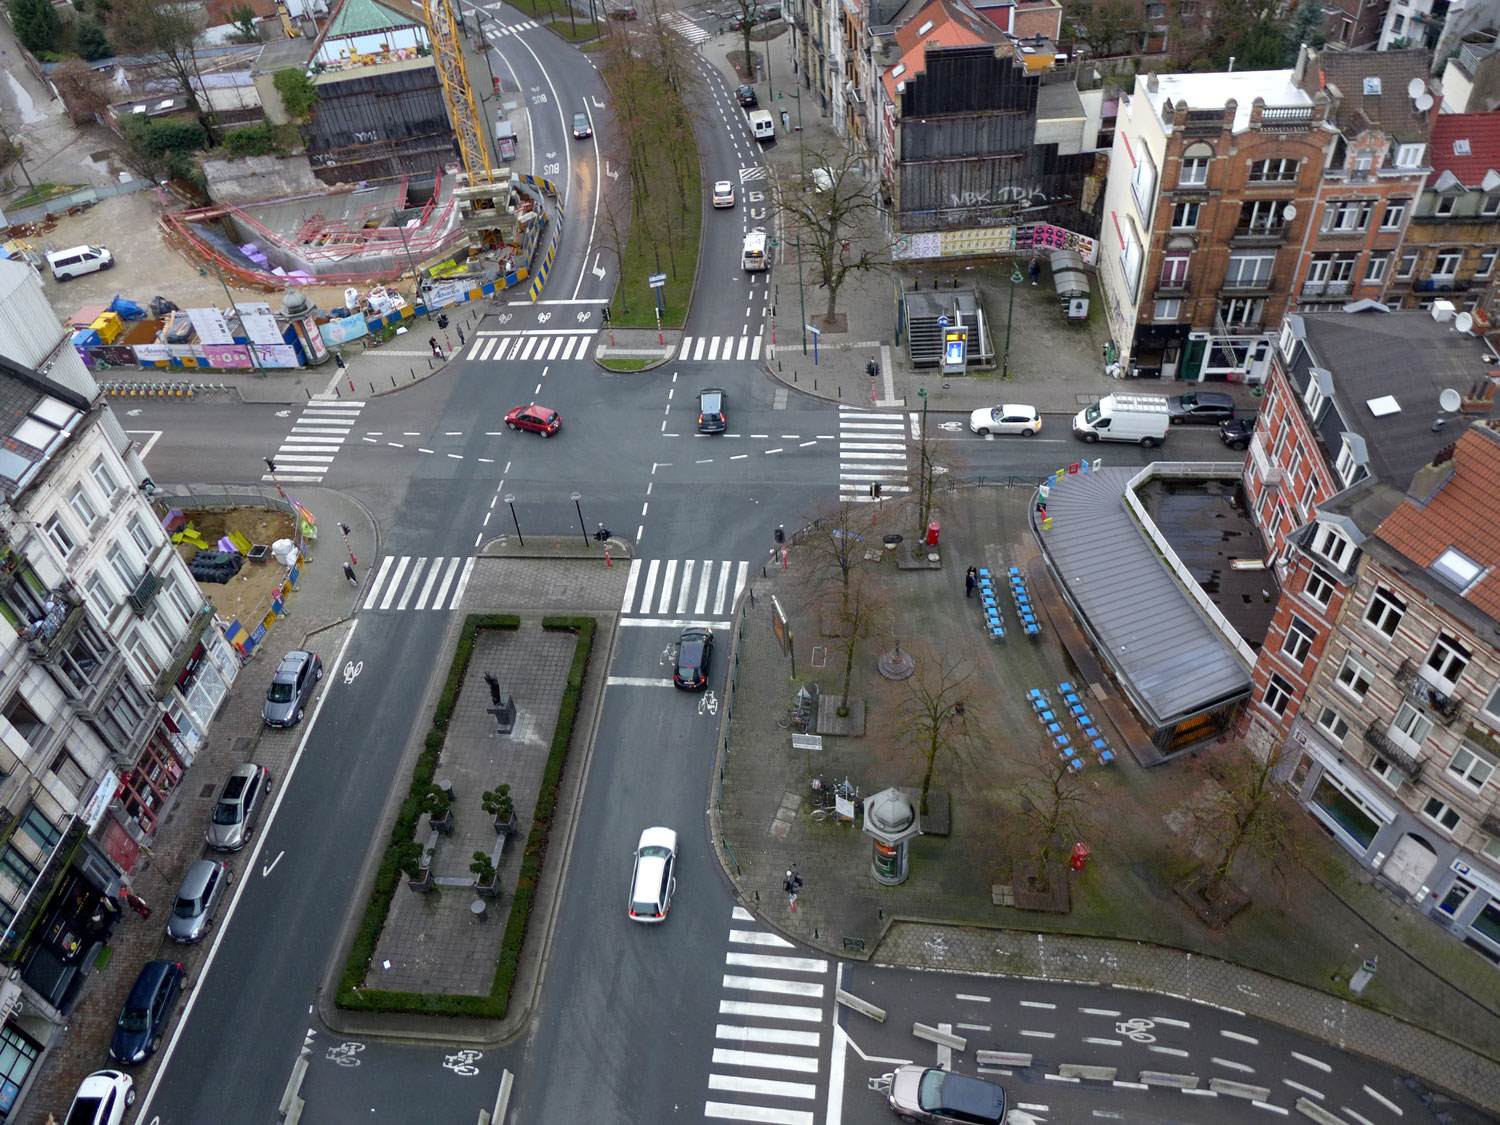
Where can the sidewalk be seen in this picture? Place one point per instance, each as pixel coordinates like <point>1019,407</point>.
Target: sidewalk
<point>320,608</point>
<point>947,913</point>
<point>1054,366</point>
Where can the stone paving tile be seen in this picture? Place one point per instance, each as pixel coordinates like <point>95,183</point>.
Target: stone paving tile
<point>432,942</point>
<point>546,585</point>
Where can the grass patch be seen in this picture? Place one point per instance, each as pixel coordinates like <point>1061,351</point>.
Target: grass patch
<point>41,193</point>
<point>626,364</point>
<point>644,257</point>
<point>351,993</point>
<point>579,32</point>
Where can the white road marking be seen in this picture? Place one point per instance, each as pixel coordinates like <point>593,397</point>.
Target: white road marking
<point>757,937</point>
<point>636,681</point>
<point>783,1036</point>
<point>749,1008</point>
<point>1377,1095</point>
<point>1308,1090</point>
<point>1236,1035</point>
<point>741,1085</point>
<point>810,989</point>
<point>775,961</point>
<point>764,1060</point>
<point>1310,1061</point>
<point>1232,1065</point>
<point>972,996</point>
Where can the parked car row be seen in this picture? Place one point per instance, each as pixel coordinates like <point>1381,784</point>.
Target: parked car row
<point>104,1096</point>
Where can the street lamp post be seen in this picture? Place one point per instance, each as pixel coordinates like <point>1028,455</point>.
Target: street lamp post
<point>510,500</point>
<point>802,294</point>
<point>922,482</point>
<point>578,496</point>
<point>1015,276</point>
<point>416,278</point>
<point>479,15</point>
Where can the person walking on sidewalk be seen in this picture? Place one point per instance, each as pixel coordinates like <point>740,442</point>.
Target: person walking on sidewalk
<point>969,579</point>
<point>792,885</point>
<point>1034,270</point>
<point>437,351</point>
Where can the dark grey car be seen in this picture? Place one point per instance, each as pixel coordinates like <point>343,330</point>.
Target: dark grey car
<point>235,812</point>
<point>291,688</point>
<point>1203,407</point>
<point>198,900</point>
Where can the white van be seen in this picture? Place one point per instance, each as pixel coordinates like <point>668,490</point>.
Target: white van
<point>1139,418</point>
<point>76,261</point>
<point>762,124</point>
<point>753,257</point>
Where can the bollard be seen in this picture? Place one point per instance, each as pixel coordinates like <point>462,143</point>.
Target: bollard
<point>841,390</point>
<point>372,388</point>
<point>413,372</point>
<point>309,393</point>
<point>794,375</point>
<point>815,382</point>
<point>607,561</point>
<point>393,383</point>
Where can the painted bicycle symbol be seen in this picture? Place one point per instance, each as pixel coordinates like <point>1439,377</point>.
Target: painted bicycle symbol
<point>352,670</point>
<point>463,1062</point>
<point>345,1054</point>
<point>1137,1030</point>
<point>543,317</point>
<point>937,947</point>
<point>504,318</point>
<point>709,704</point>
<point>584,317</point>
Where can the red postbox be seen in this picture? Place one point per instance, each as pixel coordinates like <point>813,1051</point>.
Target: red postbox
<point>934,529</point>
<point>1081,853</point>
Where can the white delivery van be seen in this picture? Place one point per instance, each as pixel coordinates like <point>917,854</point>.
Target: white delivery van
<point>76,261</point>
<point>753,257</point>
<point>1138,418</point>
<point>762,124</point>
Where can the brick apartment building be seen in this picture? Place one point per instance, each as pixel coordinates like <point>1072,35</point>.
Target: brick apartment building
<point>1453,239</point>
<point>1354,24</point>
<point>1377,166</point>
<point>1212,181</point>
<point>1378,674</point>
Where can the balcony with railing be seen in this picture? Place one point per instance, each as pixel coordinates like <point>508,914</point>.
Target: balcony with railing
<point>1258,234</point>
<point>1202,122</point>
<point>1327,288</point>
<point>1443,283</point>
<point>1447,708</point>
<point>1286,118</point>
<point>1172,285</point>
<point>1243,286</point>
<point>1406,763</point>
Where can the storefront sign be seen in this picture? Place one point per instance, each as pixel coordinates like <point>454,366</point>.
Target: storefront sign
<point>10,1000</point>
<point>103,794</point>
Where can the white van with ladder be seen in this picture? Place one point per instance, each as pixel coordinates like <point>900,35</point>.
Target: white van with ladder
<point>753,257</point>
<point>762,124</point>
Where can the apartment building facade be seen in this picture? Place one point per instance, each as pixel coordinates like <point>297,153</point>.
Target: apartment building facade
<point>1452,243</point>
<point>110,671</point>
<point>1376,168</point>
<point>1208,201</point>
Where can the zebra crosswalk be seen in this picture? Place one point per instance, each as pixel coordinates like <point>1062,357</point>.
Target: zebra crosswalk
<point>872,447</point>
<point>543,347</point>
<point>316,437</point>
<point>419,582</point>
<point>746,348</point>
<point>768,1053</point>
<point>685,27</point>
<point>497,30</point>
<point>682,591</point>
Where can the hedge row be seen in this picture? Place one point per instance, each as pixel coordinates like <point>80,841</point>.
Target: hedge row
<point>495,1005</point>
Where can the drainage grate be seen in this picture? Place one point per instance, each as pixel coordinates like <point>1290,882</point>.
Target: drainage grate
<point>208,791</point>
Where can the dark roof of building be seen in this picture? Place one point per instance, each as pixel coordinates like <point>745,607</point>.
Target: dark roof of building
<point>1466,144</point>
<point>1373,90</point>
<point>1462,515</point>
<point>1170,658</point>
<point>1400,361</point>
<point>36,414</point>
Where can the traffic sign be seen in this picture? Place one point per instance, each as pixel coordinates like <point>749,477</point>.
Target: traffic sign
<point>657,280</point>
<point>942,322</point>
<point>814,331</point>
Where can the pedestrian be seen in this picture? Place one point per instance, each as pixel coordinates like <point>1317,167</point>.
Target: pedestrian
<point>135,902</point>
<point>437,352</point>
<point>969,579</point>
<point>349,574</point>
<point>792,885</point>
<point>1035,270</point>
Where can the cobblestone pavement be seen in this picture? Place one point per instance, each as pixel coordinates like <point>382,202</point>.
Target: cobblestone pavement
<point>433,942</point>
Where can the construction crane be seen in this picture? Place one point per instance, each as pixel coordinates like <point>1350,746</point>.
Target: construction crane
<point>482,194</point>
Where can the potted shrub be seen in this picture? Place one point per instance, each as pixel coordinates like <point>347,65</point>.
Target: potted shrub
<point>439,809</point>
<point>497,802</point>
<point>485,878</point>
<point>415,862</point>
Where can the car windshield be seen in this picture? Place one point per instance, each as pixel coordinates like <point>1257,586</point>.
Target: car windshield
<point>227,812</point>
<point>1091,413</point>
<point>132,1019</point>
<point>187,908</point>
<point>655,851</point>
<point>930,1093</point>
<point>648,909</point>
<point>279,692</point>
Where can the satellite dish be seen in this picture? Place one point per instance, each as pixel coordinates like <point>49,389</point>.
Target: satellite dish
<point>1289,212</point>
<point>1463,322</point>
<point>1449,400</point>
<point>1424,102</point>
<point>1414,87</point>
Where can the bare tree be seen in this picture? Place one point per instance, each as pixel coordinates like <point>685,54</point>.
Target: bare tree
<point>934,720</point>
<point>831,203</point>
<point>748,18</point>
<point>166,36</point>
<point>1251,814</point>
<point>860,613</point>
<point>1054,809</point>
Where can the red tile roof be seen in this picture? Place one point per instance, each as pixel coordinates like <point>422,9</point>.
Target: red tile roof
<point>1481,130</point>
<point>1464,515</point>
<point>939,24</point>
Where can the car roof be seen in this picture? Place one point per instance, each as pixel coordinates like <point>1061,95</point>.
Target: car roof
<point>1017,408</point>
<point>196,878</point>
<point>294,660</point>
<point>971,1095</point>
<point>721,183</point>
<point>245,770</point>
<point>658,838</point>
<point>146,982</point>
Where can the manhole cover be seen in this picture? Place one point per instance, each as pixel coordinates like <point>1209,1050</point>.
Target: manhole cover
<point>558,590</point>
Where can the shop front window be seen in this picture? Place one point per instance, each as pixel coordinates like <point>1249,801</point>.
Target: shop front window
<point>1345,812</point>
<point>1488,922</point>
<point>18,1053</point>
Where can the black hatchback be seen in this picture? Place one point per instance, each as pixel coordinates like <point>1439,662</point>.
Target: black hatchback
<point>147,1011</point>
<point>711,418</point>
<point>1203,407</point>
<point>695,652</point>
<point>747,98</point>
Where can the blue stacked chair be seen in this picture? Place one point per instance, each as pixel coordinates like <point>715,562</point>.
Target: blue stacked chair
<point>1091,736</point>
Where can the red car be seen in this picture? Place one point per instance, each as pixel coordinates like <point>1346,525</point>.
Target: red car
<point>539,419</point>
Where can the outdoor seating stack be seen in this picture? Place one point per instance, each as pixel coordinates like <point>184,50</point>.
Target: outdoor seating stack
<point>1022,598</point>
<point>1041,705</point>
<point>1086,725</point>
<point>992,619</point>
